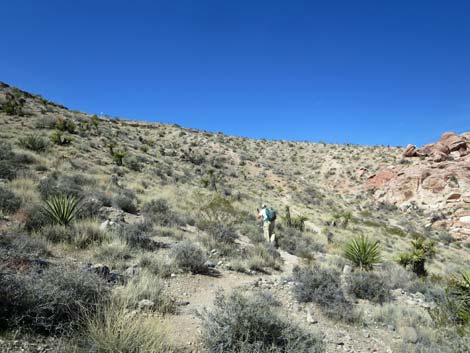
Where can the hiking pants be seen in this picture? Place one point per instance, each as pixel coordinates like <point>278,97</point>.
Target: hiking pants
<point>268,230</point>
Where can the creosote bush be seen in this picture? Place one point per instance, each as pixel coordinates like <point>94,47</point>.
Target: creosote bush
<point>9,202</point>
<point>323,287</point>
<point>138,236</point>
<point>244,323</point>
<point>368,285</point>
<point>298,243</point>
<point>159,212</point>
<point>52,300</point>
<point>189,257</point>
<point>125,202</point>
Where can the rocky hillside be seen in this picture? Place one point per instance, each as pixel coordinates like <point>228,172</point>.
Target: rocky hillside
<point>435,178</point>
<point>124,236</point>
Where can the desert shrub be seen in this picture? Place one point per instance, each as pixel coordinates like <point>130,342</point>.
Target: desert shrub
<point>53,300</point>
<point>242,323</point>
<point>12,107</point>
<point>9,202</point>
<point>57,233</point>
<point>35,218</point>
<point>8,164</point>
<point>189,257</point>
<point>61,209</point>
<point>297,243</point>
<point>396,276</point>
<point>45,122</point>
<point>458,294</point>
<point>368,285</point>
<point>159,212</point>
<point>60,138</point>
<point>421,250</point>
<point>21,246</point>
<point>149,287</point>
<point>253,232</point>
<point>133,163</point>
<point>65,125</point>
<point>90,207</point>
<point>125,203</point>
<point>138,236</point>
<point>263,256</point>
<point>118,156</point>
<point>224,234</point>
<point>362,252</point>
<point>87,233</point>
<point>115,329</point>
<point>35,143</point>
<point>159,266</point>
<point>323,287</point>
<point>114,254</point>
<point>56,184</point>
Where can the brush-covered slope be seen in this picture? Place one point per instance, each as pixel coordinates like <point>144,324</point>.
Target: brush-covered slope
<point>149,220</point>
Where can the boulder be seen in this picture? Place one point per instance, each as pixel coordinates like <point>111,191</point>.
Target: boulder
<point>410,151</point>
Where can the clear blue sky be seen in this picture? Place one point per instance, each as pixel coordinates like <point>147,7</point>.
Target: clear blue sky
<point>368,72</point>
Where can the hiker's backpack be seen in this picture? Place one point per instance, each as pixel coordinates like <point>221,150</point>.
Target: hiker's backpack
<point>271,214</point>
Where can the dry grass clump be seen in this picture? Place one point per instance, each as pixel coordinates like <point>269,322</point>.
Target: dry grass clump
<point>116,329</point>
<point>149,287</point>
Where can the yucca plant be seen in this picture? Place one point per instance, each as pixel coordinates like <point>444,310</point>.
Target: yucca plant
<point>421,250</point>
<point>458,292</point>
<point>61,209</point>
<point>363,252</point>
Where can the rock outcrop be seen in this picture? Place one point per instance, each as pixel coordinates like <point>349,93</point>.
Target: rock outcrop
<point>441,150</point>
<point>440,181</point>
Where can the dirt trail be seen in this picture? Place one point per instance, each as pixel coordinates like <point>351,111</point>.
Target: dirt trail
<point>197,292</point>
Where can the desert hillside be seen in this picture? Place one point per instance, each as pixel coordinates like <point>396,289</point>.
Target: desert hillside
<point>124,236</point>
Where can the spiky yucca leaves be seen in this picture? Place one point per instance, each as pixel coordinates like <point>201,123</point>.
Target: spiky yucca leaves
<point>363,252</point>
<point>458,291</point>
<point>421,250</point>
<point>61,209</point>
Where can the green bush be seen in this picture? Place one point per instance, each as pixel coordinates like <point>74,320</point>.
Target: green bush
<point>20,246</point>
<point>368,285</point>
<point>189,257</point>
<point>133,163</point>
<point>65,125</point>
<point>56,184</point>
<point>242,323</point>
<point>421,251</point>
<point>9,202</point>
<point>125,203</point>
<point>35,143</point>
<point>159,212</point>
<point>82,234</point>
<point>138,236</point>
<point>35,218</point>
<point>8,164</point>
<point>458,293</point>
<point>298,243</point>
<point>61,209</point>
<point>363,253</point>
<point>50,301</point>
<point>323,287</point>
<point>60,138</point>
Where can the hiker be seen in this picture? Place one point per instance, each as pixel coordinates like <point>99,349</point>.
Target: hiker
<point>268,214</point>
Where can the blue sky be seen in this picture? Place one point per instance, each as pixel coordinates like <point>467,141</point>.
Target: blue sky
<point>367,72</point>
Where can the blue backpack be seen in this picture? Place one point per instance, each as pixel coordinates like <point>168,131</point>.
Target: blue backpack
<point>270,214</point>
